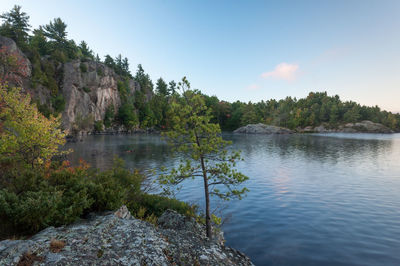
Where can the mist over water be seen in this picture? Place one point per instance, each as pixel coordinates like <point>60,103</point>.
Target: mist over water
<point>314,199</point>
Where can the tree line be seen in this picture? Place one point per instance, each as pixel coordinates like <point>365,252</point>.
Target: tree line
<point>318,108</point>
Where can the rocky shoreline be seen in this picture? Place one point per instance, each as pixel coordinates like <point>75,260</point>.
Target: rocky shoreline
<point>359,127</point>
<point>120,239</point>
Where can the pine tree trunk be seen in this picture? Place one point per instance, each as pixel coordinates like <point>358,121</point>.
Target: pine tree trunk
<point>207,196</point>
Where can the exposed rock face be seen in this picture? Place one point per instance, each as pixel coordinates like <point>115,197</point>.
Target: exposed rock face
<point>88,94</point>
<point>17,71</point>
<point>262,129</point>
<point>360,127</point>
<point>88,87</point>
<point>110,240</point>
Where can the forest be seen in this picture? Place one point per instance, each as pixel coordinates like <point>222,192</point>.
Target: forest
<point>49,46</point>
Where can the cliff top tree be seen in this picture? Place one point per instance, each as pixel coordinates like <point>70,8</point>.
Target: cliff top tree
<point>56,31</point>
<point>201,142</point>
<point>16,25</point>
<point>172,87</point>
<point>162,87</point>
<point>87,53</point>
<point>143,79</point>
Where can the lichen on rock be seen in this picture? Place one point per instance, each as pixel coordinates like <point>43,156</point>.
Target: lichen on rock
<point>119,239</point>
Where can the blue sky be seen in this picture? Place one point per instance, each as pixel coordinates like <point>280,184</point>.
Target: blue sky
<point>246,50</point>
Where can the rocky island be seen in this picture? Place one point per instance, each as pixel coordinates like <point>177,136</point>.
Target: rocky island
<point>359,127</point>
<point>119,239</point>
<point>262,129</point>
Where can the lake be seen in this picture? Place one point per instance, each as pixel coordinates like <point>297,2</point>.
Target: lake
<point>314,199</point>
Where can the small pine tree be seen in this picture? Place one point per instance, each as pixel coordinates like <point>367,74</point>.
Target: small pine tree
<point>205,150</point>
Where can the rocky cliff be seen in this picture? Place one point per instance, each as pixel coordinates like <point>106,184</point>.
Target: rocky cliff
<point>87,88</point>
<point>120,239</point>
<point>88,93</point>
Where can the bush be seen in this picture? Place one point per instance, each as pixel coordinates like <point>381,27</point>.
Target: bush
<point>86,89</point>
<point>28,212</point>
<point>109,116</point>
<point>58,103</point>
<point>157,205</point>
<point>98,126</point>
<point>83,67</point>
<point>100,72</point>
<point>114,187</point>
<point>33,199</point>
<point>83,123</point>
<point>44,109</point>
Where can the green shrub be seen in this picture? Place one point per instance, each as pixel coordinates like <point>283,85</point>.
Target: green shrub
<point>74,184</point>
<point>44,109</point>
<point>51,84</point>
<point>100,72</point>
<point>32,199</point>
<point>157,205</point>
<point>27,212</point>
<point>83,122</point>
<point>113,188</point>
<point>109,116</point>
<point>59,56</point>
<point>58,103</point>
<point>86,89</point>
<point>98,125</point>
<point>123,88</point>
<point>83,67</point>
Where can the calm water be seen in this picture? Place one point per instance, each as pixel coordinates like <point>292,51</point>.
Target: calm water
<point>313,200</point>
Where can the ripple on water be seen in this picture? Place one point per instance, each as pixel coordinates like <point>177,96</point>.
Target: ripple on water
<point>314,199</point>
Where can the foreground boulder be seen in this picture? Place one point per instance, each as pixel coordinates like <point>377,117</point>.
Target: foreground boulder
<point>119,239</point>
<point>262,129</point>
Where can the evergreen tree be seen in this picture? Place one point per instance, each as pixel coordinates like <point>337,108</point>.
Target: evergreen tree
<point>16,26</point>
<point>109,61</point>
<point>39,43</point>
<point>162,87</point>
<point>56,32</point>
<point>143,79</point>
<point>172,87</point>
<point>87,53</point>
<point>205,150</point>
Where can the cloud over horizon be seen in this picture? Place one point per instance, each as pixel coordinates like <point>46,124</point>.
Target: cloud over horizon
<point>283,71</point>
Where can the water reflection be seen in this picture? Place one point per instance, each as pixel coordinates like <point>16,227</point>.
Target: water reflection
<point>314,199</point>
<point>312,147</point>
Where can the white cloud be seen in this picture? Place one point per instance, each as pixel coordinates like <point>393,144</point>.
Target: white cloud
<point>252,87</point>
<point>283,71</point>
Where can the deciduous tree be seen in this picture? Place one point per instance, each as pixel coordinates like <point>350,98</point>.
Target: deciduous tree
<point>25,134</point>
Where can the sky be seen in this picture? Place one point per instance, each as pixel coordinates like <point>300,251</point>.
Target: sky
<point>246,50</point>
